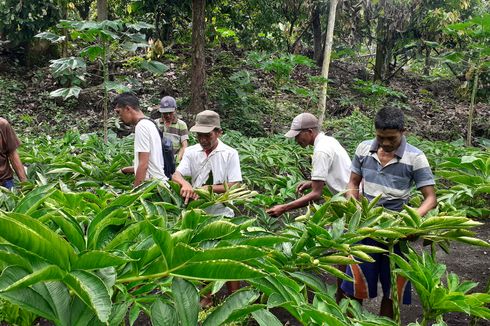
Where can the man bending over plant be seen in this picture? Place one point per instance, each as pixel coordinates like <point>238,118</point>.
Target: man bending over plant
<point>211,163</point>
<point>386,166</point>
<point>148,156</point>
<point>9,157</point>
<point>330,164</point>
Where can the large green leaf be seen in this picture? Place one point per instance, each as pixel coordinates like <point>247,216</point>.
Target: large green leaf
<point>236,301</point>
<point>92,291</point>
<point>66,93</point>
<point>239,253</point>
<point>218,270</point>
<point>163,314</point>
<point>266,318</point>
<point>26,298</point>
<point>186,301</point>
<point>214,230</point>
<point>51,37</point>
<point>48,273</point>
<point>154,67</point>
<point>164,241</point>
<point>35,237</point>
<point>96,259</point>
<point>33,199</point>
<point>81,314</point>
<point>71,230</point>
<point>129,234</point>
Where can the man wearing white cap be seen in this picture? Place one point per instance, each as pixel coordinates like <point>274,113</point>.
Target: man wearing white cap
<point>330,165</point>
<point>172,127</point>
<point>211,162</point>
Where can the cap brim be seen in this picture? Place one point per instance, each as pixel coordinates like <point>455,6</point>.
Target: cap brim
<point>292,133</point>
<point>202,129</point>
<point>166,110</point>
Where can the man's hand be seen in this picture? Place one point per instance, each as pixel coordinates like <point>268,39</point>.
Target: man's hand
<point>187,192</point>
<point>127,170</point>
<point>302,186</point>
<point>277,210</point>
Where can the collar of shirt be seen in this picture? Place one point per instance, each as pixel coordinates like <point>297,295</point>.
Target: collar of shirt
<point>399,151</point>
<point>318,138</point>
<point>218,148</point>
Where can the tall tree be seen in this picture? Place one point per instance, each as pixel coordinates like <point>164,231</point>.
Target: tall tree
<point>316,27</point>
<point>326,58</point>
<point>198,92</point>
<point>102,10</point>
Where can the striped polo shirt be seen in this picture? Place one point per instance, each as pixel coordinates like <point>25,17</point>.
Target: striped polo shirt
<point>177,132</point>
<point>394,181</point>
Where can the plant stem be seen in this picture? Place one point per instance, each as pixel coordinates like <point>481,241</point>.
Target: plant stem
<point>472,106</point>
<point>105,68</point>
<point>143,277</point>
<point>394,287</point>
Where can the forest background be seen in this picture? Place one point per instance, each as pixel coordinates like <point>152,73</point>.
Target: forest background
<point>258,63</point>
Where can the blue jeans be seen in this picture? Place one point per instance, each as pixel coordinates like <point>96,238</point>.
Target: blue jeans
<point>9,184</point>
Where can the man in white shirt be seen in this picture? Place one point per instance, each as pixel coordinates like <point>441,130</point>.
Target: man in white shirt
<point>330,165</point>
<point>211,162</point>
<point>148,156</point>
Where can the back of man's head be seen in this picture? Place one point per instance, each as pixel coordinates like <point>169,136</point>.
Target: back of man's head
<point>389,118</point>
<point>127,99</point>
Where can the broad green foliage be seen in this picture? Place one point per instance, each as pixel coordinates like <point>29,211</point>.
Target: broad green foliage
<point>470,178</point>
<point>20,21</point>
<point>437,297</point>
<point>80,247</point>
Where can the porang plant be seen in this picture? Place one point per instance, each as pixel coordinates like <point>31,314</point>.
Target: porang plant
<point>77,249</point>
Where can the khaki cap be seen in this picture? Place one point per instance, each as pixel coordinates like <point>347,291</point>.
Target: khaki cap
<point>301,122</point>
<point>206,121</point>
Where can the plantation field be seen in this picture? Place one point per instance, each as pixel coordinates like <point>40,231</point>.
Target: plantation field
<point>78,231</point>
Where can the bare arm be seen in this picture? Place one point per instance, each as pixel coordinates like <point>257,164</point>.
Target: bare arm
<point>143,159</point>
<point>430,200</point>
<point>181,150</point>
<point>16,163</point>
<point>353,186</point>
<point>186,190</point>
<point>220,188</point>
<point>315,194</point>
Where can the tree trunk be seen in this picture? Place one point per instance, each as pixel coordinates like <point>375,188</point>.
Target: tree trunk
<point>326,58</point>
<point>198,73</point>
<point>317,35</point>
<point>102,10</point>
<point>83,8</point>
<point>427,61</point>
<point>384,45</point>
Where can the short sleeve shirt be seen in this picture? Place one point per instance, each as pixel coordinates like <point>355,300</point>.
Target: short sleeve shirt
<point>8,143</point>
<point>331,163</point>
<point>177,132</point>
<point>223,164</point>
<point>394,181</point>
<point>147,140</point>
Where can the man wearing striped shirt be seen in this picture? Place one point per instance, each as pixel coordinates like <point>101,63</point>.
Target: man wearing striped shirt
<point>390,167</point>
<point>172,127</point>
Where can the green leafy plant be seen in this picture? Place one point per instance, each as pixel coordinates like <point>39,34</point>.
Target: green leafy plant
<point>436,297</point>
